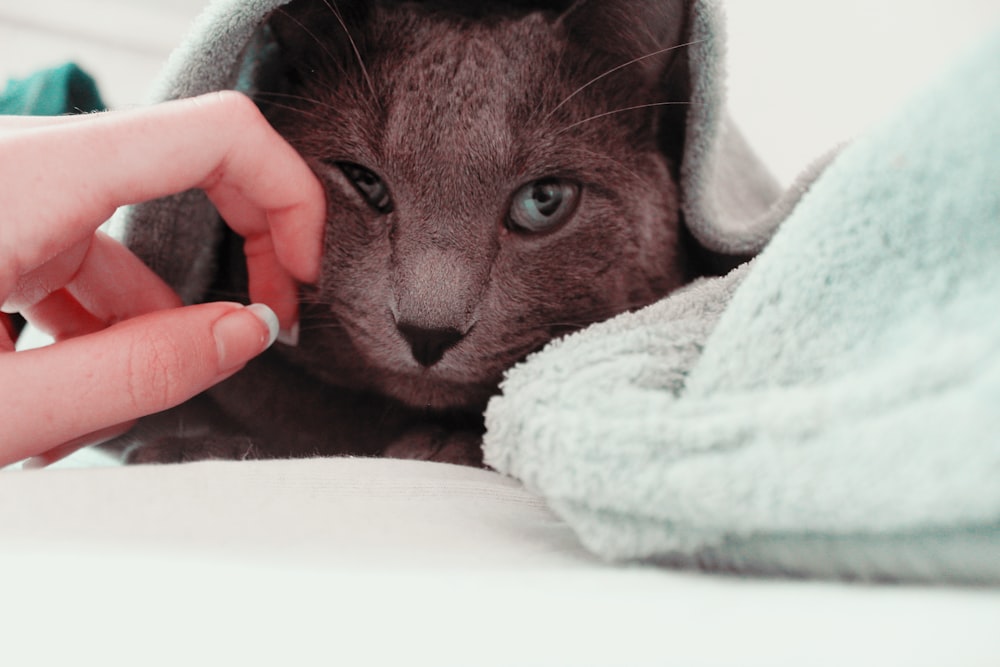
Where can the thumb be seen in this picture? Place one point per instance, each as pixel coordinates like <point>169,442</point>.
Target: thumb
<point>144,365</point>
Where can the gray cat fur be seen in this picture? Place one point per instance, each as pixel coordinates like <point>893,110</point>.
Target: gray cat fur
<point>730,202</point>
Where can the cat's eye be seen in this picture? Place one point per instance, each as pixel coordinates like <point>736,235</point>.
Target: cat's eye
<point>543,205</point>
<point>369,185</point>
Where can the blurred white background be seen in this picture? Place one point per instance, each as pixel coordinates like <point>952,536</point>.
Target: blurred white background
<point>808,74</point>
<point>804,74</point>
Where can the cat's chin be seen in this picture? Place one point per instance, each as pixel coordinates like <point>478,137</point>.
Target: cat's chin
<point>426,391</point>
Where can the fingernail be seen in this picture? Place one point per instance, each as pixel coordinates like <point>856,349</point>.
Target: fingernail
<point>267,316</point>
<point>289,337</point>
<point>239,338</point>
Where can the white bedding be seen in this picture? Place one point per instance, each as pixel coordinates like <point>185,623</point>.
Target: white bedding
<point>359,562</point>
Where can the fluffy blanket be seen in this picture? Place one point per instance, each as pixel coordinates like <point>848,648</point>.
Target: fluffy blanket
<point>832,409</point>
<point>824,411</point>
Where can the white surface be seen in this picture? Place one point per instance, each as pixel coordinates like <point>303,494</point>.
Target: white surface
<point>179,611</point>
<point>806,75</point>
<point>362,562</point>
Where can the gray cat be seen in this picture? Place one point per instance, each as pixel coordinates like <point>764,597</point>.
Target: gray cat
<point>495,177</point>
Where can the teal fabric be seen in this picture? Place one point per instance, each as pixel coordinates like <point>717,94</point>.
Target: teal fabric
<point>832,409</point>
<point>60,90</point>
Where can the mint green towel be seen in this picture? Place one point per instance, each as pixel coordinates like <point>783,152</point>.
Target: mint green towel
<point>832,409</point>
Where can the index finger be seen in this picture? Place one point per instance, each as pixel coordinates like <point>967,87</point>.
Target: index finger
<point>218,142</point>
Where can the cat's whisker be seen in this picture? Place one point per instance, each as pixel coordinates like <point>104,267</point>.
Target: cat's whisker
<point>313,326</point>
<point>345,307</point>
<point>309,309</point>
<point>312,312</point>
<point>311,298</point>
<point>319,42</point>
<point>323,44</point>
<point>557,67</point>
<point>301,98</point>
<point>617,111</point>
<point>354,46</point>
<point>320,327</point>
<point>586,319</point>
<point>547,331</point>
<point>616,69</point>
<point>519,350</point>
<point>289,107</point>
<point>231,295</point>
<point>616,161</point>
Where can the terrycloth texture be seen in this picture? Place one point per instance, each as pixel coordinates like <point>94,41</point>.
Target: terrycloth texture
<point>731,203</point>
<point>843,418</point>
<point>51,92</point>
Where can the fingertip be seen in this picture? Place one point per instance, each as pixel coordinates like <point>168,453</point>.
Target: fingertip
<point>298,238</point>
<point>270,284</point>
<point>242,334</point>
<point>289,336</point>
<point>319,219</point>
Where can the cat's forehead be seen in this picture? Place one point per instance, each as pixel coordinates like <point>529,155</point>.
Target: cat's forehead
<point>462,81</point>
<point>423,46</point>
<point>482,101</point>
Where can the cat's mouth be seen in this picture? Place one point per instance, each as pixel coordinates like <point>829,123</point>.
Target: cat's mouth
<point>427,389</point>
<point>451,384</point>
<point>422,368</point>
<point>390,370</point>
<point>435,379</point>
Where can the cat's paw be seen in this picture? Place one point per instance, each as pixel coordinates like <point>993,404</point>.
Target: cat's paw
<point>174,449</point>
<point>432,443</point>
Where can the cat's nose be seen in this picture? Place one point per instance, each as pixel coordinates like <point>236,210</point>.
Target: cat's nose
<point>429,345</point>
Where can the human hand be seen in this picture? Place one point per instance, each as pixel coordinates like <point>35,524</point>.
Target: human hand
<point>124,346</point>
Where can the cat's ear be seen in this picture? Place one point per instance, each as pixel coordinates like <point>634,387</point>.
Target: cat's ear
<point>652,35</point>
<point>297,28</point>
<point>629,29</point>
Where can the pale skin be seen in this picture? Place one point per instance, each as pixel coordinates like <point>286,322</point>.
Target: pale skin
<point>125,347</point>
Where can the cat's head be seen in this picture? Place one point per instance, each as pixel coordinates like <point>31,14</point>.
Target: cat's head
<point>493,180</point>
